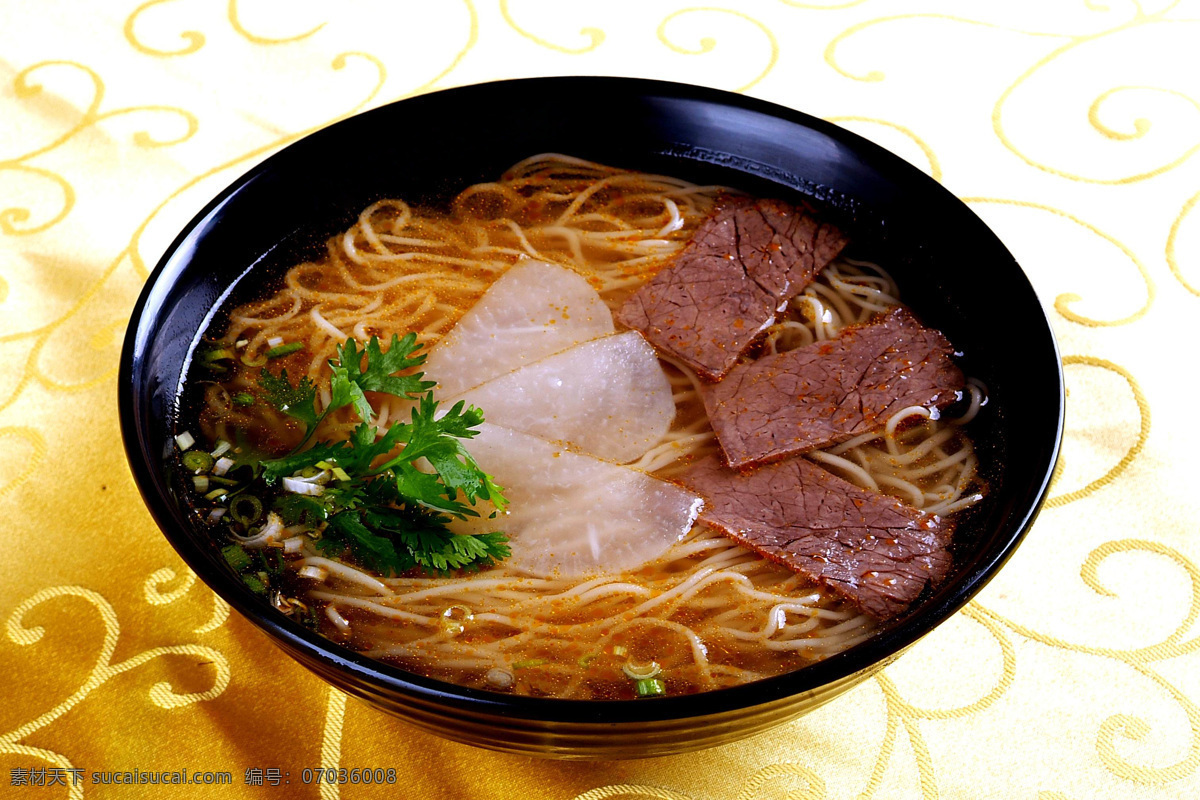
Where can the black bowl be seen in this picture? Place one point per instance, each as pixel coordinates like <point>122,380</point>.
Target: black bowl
<point>951,269</point>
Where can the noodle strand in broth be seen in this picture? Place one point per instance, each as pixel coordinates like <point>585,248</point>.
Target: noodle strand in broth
<point>709,613</point>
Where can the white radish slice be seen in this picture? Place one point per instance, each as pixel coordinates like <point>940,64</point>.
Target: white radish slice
<point>532,311</point>
<point>608,397</point>
<point>573,515</point>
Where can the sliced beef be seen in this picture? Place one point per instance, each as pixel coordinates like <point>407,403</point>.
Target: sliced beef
<point>868,547</point>
<point>742,266</point>
<point>830,391</point>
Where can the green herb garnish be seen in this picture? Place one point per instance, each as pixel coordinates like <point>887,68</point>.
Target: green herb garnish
<point>380,510</point>
<point>350,381</point>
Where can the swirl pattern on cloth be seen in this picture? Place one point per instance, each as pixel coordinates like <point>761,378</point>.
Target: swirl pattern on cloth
<point>1072,128</point>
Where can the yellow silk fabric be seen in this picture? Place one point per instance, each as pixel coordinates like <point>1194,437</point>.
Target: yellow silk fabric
<point>1071,127</point>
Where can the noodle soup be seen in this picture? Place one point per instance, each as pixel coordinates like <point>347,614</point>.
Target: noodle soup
<point>706,612</point>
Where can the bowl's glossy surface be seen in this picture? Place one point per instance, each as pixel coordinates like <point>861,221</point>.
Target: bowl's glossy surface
<point>950,268</point>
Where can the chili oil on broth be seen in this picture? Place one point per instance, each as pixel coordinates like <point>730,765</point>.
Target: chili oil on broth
<point>709,613</point>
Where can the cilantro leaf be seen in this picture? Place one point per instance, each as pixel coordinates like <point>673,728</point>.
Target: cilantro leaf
<point>375,552</point>
<point>350,380</point>
<point>380,374</point>
<point>427,490</point>
<point>417,521</point>
<point>341,496</point>
<point>396,516</point>
<point>295,401</point>
<point>462,552</point>
<point>437,439</point>
<point>424,534</point>
<point>295,509</point>
<point>276,468</point>
<point>459,422</point>
<point>365,447</point>
<point>344,391</point>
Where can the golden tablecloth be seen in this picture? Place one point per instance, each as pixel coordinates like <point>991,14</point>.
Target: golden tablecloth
<point>1071,127</point>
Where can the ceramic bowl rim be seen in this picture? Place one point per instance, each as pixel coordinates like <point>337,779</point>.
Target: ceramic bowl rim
<point>388,680</point>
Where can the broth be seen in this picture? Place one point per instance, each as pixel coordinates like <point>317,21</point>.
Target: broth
<point>707,614</point>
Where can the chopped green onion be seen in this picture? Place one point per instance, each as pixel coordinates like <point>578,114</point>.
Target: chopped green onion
<point>252,361</point>
<point>256,585</point>
<point>236,556</point>
<point>641,671</point>
<point>619,650</point>
<point>284,349</point>
<point>246,509</point>
<point>200,482</point>
<point>323,465</point>
<point>217,354</point>
<point>197,461</point>
<point>586,661</point>
<point>243,399</point>
<point>649,687</point>
<point>221,449</point>
<point>341,474</point>
<point>530,662</point>
<point>302,487</point>
<point>216,494</point>
<point>185,440</point>
<point>223,465</point>
<point>218,480</point>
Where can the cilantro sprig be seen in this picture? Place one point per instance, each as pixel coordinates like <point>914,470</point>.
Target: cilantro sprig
<point>392,514</point>
<point>350,381</point>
